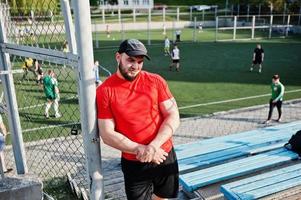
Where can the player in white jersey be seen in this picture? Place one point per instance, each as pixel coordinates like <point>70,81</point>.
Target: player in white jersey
<point>175,56</point>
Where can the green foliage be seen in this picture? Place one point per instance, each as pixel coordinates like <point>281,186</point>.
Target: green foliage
<point>40,7</point>
<point>94,2</point>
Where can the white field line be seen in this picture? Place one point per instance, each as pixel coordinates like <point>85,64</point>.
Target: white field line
<point>43,104</point>
<point>47,127</point>
<point>232,100</point>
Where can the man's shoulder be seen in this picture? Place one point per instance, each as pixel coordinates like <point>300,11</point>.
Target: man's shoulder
<point>152,76</point>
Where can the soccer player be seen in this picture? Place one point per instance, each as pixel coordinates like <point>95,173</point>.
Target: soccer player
<point>166,46</point>
<point>28,66</point>
<point>138,115</point>
<point>175,57</point>
<point>276,99</point>
<point>258,57</point>
<point>51,91</point>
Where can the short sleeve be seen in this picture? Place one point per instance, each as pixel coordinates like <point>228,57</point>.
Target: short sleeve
<point>103,104</point>
<point>163,90</point>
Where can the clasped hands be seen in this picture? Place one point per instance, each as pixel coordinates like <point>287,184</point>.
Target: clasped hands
<point>148,153</point>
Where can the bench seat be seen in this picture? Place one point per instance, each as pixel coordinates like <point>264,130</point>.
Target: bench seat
<point>193,180</point>
<point>204,153</point>
<point>263,185</point>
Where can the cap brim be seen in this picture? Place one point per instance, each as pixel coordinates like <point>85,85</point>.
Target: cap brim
<point>137,53</point>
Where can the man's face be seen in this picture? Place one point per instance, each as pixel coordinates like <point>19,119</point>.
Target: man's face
<point>129,67</point>
<point>258,46</point>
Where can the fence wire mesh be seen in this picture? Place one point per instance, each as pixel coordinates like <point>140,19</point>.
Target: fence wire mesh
<point>54,146</point>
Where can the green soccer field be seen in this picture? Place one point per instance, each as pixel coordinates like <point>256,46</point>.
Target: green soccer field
<point>210,72</point>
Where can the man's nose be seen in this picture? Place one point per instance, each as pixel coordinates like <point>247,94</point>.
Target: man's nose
<point>135,65</point>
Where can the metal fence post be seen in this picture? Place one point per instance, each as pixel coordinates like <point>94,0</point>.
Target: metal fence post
<point>134,15</point>
<point>194,30</point>
<point>253,27</point>
<point>287,25</point>
<point>148,27</point>
<point>103,16</point>
<point>65,6</point>
<point>284,12</point>
<point>178,14</point>
<point>271,27</point>
<point>248,12</point>
<point>216,28</point>
<point>164,13</point>
<point>12,106</point>
<point>259,10</point>
<point>234,27</point>
<point>87,98</point>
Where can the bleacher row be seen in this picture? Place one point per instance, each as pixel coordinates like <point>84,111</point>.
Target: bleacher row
<point>247,165</point>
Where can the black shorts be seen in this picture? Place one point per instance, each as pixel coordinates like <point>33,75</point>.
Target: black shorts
<point>257,61</point>
<point>144,179</point>
<point>176,61</point>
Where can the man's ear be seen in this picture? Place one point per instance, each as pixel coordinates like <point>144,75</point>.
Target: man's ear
<point>118,57</point>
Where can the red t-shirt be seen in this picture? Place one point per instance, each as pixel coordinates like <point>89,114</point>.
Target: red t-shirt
<point>134,106</point>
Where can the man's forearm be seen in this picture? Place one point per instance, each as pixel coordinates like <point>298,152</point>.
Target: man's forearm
<point>167,129</point>
<point>120,142</point>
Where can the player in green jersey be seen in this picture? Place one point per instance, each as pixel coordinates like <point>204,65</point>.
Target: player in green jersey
<point>276,99</point>
<point>51,91</point>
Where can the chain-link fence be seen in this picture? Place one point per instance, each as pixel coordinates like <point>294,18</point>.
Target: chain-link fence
<point>54,145</point>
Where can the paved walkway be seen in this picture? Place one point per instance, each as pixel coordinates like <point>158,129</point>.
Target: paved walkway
<point>55,157</point>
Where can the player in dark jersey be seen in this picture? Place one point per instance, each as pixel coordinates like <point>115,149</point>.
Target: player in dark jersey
<point>258,57</point>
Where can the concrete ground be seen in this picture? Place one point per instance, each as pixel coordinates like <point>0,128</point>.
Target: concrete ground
<point>56,157</point>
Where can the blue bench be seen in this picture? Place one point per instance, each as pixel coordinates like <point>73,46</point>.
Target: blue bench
<point>194,180</point>
<point>264,184</point>
<point>210,161</point>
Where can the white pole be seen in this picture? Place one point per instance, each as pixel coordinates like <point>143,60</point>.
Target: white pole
<point>194,30</point>
<point>271,27</point>
<point>215,12</point>
<point>190,13</point>
<point>164,12</point>
<point>122,30</point>
<point>87,95</point>
<point>12,106</point>
<point>173,30</point>
<point>134,15</point>
<point>119,15</point>
<point>226,7</point>
<point>234,27</point>
<point>248,12</point>
<point>103,16</point>
<point>271,8</point>
<point>148,27</point>
<point>287,25</point>
<point>69,28</point>
<point>178,14</point>
<point>253,27</point>
<point>284,12</point>
<point>216,28</point>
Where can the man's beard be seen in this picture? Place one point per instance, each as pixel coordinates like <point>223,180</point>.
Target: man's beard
<point>124,74</point>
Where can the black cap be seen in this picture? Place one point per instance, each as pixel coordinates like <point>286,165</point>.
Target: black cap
<point>275,77</point>
<point>133,47</point>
